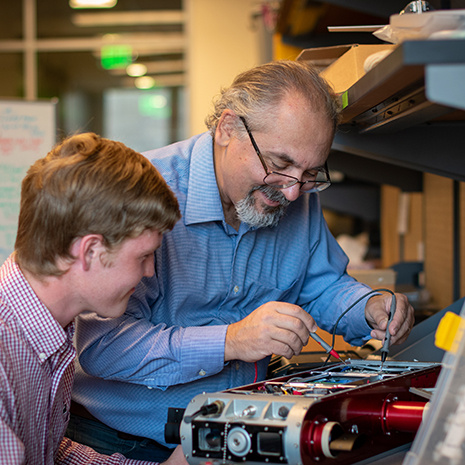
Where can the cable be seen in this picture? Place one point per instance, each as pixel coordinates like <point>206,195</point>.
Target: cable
<point>329,350</point>
<point>209,409</point>
<point>387,337</point>
<point>344,313</point>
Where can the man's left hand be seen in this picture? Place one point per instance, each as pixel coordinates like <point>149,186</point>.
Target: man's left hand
<point>377,315</point>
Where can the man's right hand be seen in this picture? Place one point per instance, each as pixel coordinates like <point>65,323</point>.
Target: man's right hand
<point>274,328</point>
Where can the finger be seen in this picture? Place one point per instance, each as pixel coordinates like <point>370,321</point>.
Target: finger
<point>403,319</point>
<point>402,334</point>
<point>401,337</point>
<point>299,313</point>
<point>291,328</point>
<point>286,348</point>
<point>378,334</point>
<point>400,326</point>
<point>378,311</point>
<point>402,313</point>
<point>288,336</point>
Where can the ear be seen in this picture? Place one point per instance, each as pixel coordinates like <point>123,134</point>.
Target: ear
<point>87,249</point>
<point>225,128</point>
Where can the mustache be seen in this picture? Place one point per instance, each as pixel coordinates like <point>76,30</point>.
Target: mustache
<point>273,194</point>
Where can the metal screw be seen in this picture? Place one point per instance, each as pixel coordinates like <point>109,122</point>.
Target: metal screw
<point>354,429</point>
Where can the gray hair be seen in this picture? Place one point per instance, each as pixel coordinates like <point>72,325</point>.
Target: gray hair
<point>255,94</point>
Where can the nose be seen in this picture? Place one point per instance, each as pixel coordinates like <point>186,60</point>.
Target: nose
<point>292,193</point>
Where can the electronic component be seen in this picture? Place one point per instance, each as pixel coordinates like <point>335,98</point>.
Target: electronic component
<point>340,413</point>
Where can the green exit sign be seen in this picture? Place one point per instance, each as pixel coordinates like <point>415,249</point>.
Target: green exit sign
<point>115,56</point>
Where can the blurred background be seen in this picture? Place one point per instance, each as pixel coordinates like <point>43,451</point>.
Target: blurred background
<point>144,72</point>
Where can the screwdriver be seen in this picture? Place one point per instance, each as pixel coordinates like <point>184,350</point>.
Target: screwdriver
<point>326,347</point>
<point>387,337</point>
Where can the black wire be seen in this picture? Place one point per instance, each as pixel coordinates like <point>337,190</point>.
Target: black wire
<point>333,340</point>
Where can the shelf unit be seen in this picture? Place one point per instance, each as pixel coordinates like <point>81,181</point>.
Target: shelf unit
<point>409,110</point>
<point>407,115</point>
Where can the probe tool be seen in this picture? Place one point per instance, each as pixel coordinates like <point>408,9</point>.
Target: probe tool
<point>326,346</point>
<point>387,337</point>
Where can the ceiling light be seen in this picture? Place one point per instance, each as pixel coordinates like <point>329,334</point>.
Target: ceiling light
<point>172,80</point>
<point>129,18</point>
<point>77,4</point>
<point>159,67</point>
<point>136,69</point>
<point>144,82</point>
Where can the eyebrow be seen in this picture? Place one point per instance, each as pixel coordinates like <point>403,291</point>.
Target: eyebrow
<point>282,156</point>
<point>286,158</point>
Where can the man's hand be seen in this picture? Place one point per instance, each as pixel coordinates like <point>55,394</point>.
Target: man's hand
<point>274,328</point>
<point>377,314</point>
<point>176,458</point>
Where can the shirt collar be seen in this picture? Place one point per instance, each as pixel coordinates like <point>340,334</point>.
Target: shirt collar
<point>43,332</point>
<point>203,202</point>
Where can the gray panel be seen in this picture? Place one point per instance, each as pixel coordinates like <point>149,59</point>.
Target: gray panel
<point>420,344</point>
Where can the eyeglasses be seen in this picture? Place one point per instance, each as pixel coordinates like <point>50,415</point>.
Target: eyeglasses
<point>312,181</point>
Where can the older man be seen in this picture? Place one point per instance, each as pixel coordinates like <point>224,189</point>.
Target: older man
<point>248,272</point>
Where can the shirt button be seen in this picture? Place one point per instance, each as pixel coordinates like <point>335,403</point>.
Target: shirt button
<point>236,289</point>
<point>202,373</point>
<point>42,356</point>
<point>238,366</point>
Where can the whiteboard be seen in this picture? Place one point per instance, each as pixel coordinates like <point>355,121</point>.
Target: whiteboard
<point>27,132</point>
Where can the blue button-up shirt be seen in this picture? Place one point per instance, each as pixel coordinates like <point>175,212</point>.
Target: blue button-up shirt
<point>169,345</point>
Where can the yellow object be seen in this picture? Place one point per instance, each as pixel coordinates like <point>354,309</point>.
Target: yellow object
<point>282,51</point>
<point>304,17</point>
<point>449,332</point>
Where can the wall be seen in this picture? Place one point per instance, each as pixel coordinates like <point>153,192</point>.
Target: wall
<point>429,227</point>
<point>408,246</point>
<point>439,248</point>
<point>223,40</point>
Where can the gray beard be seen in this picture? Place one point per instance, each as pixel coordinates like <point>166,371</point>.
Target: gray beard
<point>270,216</point>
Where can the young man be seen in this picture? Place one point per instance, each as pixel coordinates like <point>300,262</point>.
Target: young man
<point>92,214</point>
<point>249,270</point>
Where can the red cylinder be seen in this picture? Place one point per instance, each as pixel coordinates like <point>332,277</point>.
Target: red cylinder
<point>317,436</point>
<point>403,416</point>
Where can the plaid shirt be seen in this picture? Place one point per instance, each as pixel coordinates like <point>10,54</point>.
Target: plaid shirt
<point>36,377</point>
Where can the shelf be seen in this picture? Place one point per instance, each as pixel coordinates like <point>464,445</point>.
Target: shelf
<point>409,111</point>
<point>395,93</point>
<point>436,148</point>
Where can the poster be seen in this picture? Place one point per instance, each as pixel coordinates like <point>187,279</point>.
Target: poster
<point>27,132</point>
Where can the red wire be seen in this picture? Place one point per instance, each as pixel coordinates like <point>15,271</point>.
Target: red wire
<point>256,373</point>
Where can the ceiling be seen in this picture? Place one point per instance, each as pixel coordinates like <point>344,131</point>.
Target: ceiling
<point>68,42</point>
<point>67,46</point>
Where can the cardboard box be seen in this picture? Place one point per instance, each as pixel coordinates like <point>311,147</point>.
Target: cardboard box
<point>376,278</point>
<point>342,65</point>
